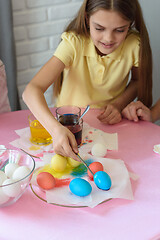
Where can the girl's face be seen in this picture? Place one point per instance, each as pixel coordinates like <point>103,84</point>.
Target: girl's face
<point>107,30</point>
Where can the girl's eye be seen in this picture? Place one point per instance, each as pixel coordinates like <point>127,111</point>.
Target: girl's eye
<point>117,30</point>
<point>99,29</point>
<point>120,31</point>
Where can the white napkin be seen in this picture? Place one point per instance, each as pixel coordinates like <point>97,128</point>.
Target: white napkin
<point>90,136</point>
<point>156,148</point>
<point>121,186</point>
<point>23,142</point>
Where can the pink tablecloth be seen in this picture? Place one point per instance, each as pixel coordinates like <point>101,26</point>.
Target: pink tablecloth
<point>31,218</point>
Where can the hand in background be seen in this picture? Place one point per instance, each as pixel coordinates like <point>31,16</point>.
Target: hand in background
<point>136,110</point>
<point>110,115</point>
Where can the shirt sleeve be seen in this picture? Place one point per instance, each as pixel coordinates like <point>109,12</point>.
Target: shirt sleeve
<point>67,49</point>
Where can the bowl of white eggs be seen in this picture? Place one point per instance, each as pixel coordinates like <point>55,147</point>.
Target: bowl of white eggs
<point>16,170</point>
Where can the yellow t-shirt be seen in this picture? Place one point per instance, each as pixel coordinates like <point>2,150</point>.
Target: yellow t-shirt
<point>91,78</point>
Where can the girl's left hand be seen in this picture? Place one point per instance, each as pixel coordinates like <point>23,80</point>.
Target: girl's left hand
<point>110,115</point>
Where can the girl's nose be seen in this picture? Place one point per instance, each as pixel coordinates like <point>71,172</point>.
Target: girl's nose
<point>108,37</point>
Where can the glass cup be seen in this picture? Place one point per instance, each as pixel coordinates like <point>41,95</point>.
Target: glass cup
<point>68,116</point>
<point>39,134</point>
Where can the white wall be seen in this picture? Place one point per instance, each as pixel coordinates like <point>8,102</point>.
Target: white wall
<point>39,23</point>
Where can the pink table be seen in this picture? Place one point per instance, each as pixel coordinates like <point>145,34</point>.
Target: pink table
<point>31,218</point>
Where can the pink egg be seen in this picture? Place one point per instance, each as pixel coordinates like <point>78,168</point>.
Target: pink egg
<point>95,167</point>
<point>46,180</point>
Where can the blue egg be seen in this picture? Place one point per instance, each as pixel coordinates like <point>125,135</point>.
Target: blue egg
<point>80,187</point>
<point>102,180</point>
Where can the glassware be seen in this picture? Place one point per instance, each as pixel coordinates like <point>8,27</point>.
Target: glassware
<point>68,116</point>
<point>11,189</point>
<point>39,134</point>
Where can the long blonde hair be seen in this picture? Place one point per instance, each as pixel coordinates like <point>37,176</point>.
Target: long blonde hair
<point>130,10</point>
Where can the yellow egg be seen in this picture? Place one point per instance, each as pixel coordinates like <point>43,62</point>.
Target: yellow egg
<point>58,163</point>
<point>73,162</point>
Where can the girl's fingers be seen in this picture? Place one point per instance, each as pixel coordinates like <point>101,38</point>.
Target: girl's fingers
<point>144,114</point>
<point>105,114</point>
<point>73,143</point>
<point>126,114</point>
<point>113,117</point>
<point>101,115</point>
<point>130,112</point>
<point>133,114</point>
<point>67,145</point>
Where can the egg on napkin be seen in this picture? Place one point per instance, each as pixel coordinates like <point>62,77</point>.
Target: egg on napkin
<point>99,150</point>
<point>58,163</point>
<point>46,180</point>
<point>80,187</point>
<point>95,167</point>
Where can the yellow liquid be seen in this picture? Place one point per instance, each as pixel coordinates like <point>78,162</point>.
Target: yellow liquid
<point>39,134</point>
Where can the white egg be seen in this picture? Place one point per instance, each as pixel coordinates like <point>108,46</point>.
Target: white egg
<point>12,190</point>
<point>3,197</point>
<point>3,177</point>
<point>99,150</point>
<point>21,172</point>
<point>10,168</point>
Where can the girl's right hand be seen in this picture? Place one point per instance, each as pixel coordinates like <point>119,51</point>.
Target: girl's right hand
<point>64,142</point>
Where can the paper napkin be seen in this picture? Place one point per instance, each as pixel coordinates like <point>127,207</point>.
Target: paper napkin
<point>90,136</point>
<point>121,186</point>
<point>156,148</point>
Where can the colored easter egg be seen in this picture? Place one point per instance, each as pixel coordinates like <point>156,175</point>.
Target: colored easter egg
<point>58,163</point>
<point>80,187</point>
<point>99,150</point>
<point>73,163</point>
<point>46,180</point>
<point>95,167</point>
<point>102,180</point>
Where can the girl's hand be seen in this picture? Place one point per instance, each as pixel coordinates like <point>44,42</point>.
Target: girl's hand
<point>136,110</point>
<point>110,115</point>
<point>64,142</point>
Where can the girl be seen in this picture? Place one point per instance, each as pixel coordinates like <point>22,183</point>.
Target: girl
<point>136,110</point>
<point>105,43</point>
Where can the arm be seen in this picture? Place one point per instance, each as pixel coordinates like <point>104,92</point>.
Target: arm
<point>155,111</point>
<point>130,93</point>
<point>137,110</point>
<point>64,141</point>
<point>112,112</point>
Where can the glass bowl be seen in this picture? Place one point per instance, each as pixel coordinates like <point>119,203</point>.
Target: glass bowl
<point>16,169</point>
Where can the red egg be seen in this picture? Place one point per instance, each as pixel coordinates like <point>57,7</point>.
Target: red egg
<point>95,167</point>
<point>46,180</point>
